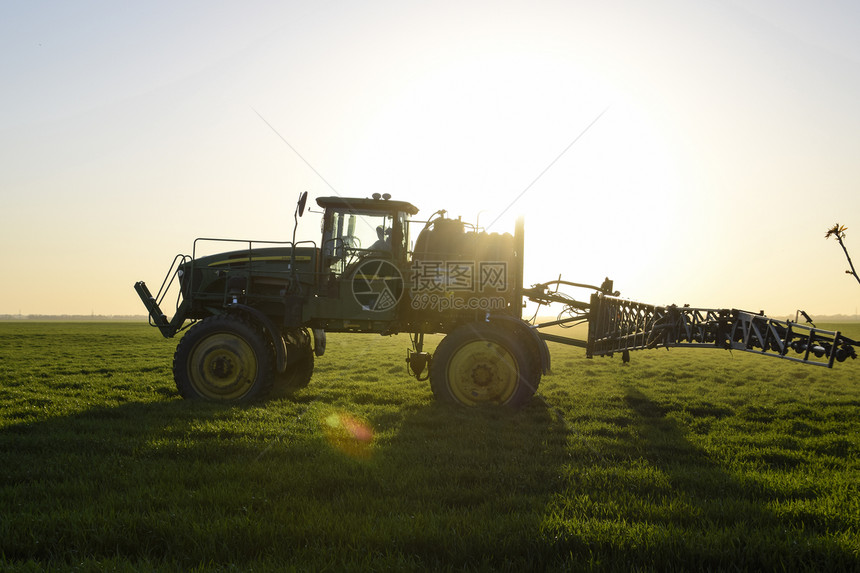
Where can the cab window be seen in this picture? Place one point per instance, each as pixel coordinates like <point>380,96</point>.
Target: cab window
<point>350,236</point>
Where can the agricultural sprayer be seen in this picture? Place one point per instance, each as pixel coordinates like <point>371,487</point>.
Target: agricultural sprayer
<point>257,313</point>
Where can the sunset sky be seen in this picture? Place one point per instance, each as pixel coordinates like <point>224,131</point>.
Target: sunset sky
<point>729,140</point>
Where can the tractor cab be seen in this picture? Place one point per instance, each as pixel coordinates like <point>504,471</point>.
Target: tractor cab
<point>355,230</point>
<point>363,262</point>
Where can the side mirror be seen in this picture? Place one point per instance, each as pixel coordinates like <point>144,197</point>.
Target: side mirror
<point>300,210</point>
<point>303,198</point>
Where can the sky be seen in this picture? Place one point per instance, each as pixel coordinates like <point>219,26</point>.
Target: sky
<point>694,152</point>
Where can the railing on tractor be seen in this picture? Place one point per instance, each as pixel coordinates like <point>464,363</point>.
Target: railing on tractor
<point>620,325</point>
<point>245,267</point>
<point>249,258</point>
<point>185,263</point>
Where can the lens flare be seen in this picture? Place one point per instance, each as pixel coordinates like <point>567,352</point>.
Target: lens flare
<point>348,434</point>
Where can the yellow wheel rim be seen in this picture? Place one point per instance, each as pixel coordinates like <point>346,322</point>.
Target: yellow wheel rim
<point>482,372</point>
<point>222,367</point>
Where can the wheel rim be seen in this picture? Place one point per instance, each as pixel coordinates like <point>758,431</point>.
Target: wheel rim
<point>482,372</point>
<point>222,367</point>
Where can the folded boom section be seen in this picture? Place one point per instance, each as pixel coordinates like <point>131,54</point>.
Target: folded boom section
<point>619,325</point>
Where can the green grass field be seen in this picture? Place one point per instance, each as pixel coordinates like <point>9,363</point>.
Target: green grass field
<point>682,460</point>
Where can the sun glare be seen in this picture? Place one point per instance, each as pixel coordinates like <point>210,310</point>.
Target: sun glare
<point>348,434</point>
<point>592,174</point>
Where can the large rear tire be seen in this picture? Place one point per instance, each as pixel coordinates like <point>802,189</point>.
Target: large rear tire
<point>223,359</point>
<point>483,364</point>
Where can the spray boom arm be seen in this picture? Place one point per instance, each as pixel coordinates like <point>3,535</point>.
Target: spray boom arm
<point>619,325</point>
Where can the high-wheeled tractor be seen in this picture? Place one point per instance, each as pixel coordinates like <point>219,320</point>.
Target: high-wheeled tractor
<point>257,313</point>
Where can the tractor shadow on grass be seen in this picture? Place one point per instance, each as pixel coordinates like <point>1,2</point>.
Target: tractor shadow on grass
<point>466,487</point>
<point>184,483</point>
<point>670,506</point>
<point>138,484</point>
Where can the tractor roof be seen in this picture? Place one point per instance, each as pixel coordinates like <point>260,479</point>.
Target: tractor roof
<point>355,204</point>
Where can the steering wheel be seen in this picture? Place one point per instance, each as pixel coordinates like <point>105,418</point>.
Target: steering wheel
<point>351,248</point>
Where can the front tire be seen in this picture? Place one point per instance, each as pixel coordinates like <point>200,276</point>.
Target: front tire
<point>223,359</point>
<point>483,364</point>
